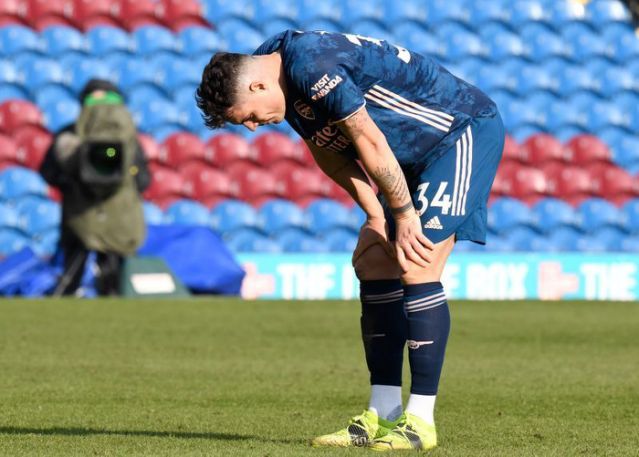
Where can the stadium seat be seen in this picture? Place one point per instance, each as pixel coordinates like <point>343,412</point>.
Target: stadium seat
<point>616,79</point>
<point>602,114</point>
<point>153,214</point>
<point>197,40</point>
<point>285,9</point>
<point>38,73</point>
<point>507,213</point>
<point>586,149</point>
<point>32,145</point>
<point>61,113</point>
<point>527,11</point>
<point>525,239</point>
<point>449,11</point>
<point>529,185</point>
<point>501,42</point>
<point>11,241</point>
<point>225,148</point>
<point>218,10</point>
<point>610,237</point>
<point>296,240</point>
<point>85,70</point>
<point>299,182</point>
<point>612,183</point>
<point>512,149</point>
<point>231,215</point>
<point>542,148</point>
<point>371,28</point>
<point>325,214</point>
<point>152,39</point>
<point>12,13</point>
<point>591,244</point>
<point>623,146</point>
<point>241,36</point>
<point>8,217</point>
<point>533,77</point>
<point>45,244</point>
<point>51,94</point>
<point>149,146</point>
<point>180,148</point>
<point>155,114</point>
<point>602,13</point>
<point>415,36</point>
<point>486,11</point>
<point>207,185</point>
<point>179,14</point>
<point>37,215</point>
<point>88,13</point>
<point>596,213</point>
<point>177,72</point>
<point>8,150</point>
<point>623,42</point>
<point>340,240</point>
<point>17,182</point>
<point>564,13</point>
<point>572,78</point>
<point>569,183</point>
<point>187,212</point>
<point>630,210</point>
<point>584,43</point>
<point>107,40</point>
<point>460,43</point>
<point>278,214</point>
<point>166,187</point>
<point>565,238</point>
<point>275,26</point>
<point>271,147</point>
<point>248,240</point>
<point>501,75</point>
<point>254,184</point>
<point>61,40</point>
<point>311,10</point>
<point>405,12</point>
<point>18,113</point>
<point>18,39</point>
<point>552,213</point>
<point>139,13</point>
<point>543,43</point>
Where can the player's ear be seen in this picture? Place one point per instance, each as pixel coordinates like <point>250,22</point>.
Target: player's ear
<point>257,86</point>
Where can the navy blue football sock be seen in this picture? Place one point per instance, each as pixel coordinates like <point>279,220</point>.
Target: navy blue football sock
<point>428,328</point>
<point>383,329</point>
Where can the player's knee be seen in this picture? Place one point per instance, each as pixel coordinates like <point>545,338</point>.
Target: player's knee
<point>375,263</point>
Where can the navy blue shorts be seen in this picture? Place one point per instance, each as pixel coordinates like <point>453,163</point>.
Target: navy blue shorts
<point>451,193</point>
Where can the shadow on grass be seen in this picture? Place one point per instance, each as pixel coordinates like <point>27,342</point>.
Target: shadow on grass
<point>79,431</point>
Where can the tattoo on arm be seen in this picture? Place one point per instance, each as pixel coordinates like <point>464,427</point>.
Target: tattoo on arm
<point>355,124</point>
<point>393,183</point>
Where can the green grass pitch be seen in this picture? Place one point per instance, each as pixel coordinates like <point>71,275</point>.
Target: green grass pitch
<point>223,377</point>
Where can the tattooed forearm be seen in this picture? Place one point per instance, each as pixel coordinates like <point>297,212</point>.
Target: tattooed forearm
<point>392,183</point>
<point>354,125</point>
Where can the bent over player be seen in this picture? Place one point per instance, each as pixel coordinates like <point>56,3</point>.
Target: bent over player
<point>431,143</point>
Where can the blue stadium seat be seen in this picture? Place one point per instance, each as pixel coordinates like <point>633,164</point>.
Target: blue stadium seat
<point>623,41</point>
<point>38,73</point>
<point>37,214</point>
<point>616,79</point>
<point>279,214</point>
<point>275,26</point>
<point>249,240</point>
<point>190,114</point>
<point>312,10</point>
<point>187,212</point>
<point>45,243</point>
<point>296,240</point>
<point>610,237</point>
<point>467,69</point>
<point>358,10</point>
<point>64,40</point>
<point>630,243</point>
<point>525,239</point>
<point>150,40</point>
<point>8,216</point>
<point>460,43</point>
<point>499,76</point>
<point>533,77</point>
<point>373,29</point>
<point>144,94</point>
<point>573,78</point>
<point>584,43</point>
<point>175,72</point>
<point>624,146</point>
<point>402,12</point>
<point>231,215</point>
<point>324,214</point>
<point>11,241</point>
<point>241,36</point>
<point>281,9</point>
<point>18,39</point>
<point>630,210</point>
<point>87,69</point>
<point>597,213</point>
<point>60,113</point>
<point>11,92</point>
<point>542,43</point>
<point>629,102</point>
<point>417,38</point>
<point>602,13</point>
<point>51,94</point>
<point>153,214</point>
<point>197,40</point>
<point>501,42</point>
<point>565,238</point>
<point>507,213</point>
<point>552,213</point>
<point>17,182</point>
<point>487,11</point>
<point>526,11</point>
<point>133,71</point>
<point>340,240</point>
<point>563,13</point>
<point>565,133</point>
<point>604,114</point>
<point>11,82</point>
<point>591,243</point>
<point>155,114</point>
<point>458,11</point>
<point>218,10</point>
<point>105,40</point>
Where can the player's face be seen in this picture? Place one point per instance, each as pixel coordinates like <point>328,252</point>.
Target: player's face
<point>259,105</point>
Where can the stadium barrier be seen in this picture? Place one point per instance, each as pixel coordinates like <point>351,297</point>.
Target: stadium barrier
<point>472,276</point>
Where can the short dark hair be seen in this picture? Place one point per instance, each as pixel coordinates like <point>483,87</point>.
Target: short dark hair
<point>218,89</point>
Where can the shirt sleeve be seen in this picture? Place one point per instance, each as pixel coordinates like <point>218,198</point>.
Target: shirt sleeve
<point>324,75</point>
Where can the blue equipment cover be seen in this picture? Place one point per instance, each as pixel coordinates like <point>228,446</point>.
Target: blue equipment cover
<point>197,256</point>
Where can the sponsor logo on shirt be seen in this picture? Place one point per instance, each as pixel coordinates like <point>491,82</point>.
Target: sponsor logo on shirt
<point>304,110</point>
<point>330,137</point>
<point>324,86</point>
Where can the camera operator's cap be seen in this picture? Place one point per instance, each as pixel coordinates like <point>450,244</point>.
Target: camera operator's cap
<point>98,84</point>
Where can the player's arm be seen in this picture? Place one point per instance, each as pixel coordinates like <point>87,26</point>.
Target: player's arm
<point>382,166</point>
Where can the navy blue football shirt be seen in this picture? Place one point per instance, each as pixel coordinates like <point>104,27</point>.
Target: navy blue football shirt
<point>421,108</point>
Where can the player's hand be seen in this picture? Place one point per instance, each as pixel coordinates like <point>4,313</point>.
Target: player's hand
<point>373,231</point>
<point>411,244</point>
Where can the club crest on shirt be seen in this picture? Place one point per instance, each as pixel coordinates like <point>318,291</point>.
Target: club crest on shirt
<point>304,110</point>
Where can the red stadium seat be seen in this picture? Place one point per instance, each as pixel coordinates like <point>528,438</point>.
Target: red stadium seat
<point>529,185</point>
<point>43,13</point>
<point>541,148</point>
<point>511,149</point>
<point>180,148</point>
<point>99,21</point>
<point>178,14</point>
<point>17,113</point>
<point>271,147</point>
<point>298,182</point>
<point>305,153</point>
<point>207,184</point>
<point>613,183</point>
<point>504,180</point>
<point>33,143</point>
<point>136,13</point>
<point>569,183</point>
<point>254,184</point>
<point>12,12</point>
<point>8,150</point>
<point>149,146</point>
<point>226,148</point>
<point>585,149</point>
<point>166,186</point>
<point>88,13</point>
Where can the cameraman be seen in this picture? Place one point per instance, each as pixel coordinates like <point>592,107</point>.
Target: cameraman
<point>100,169</point>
